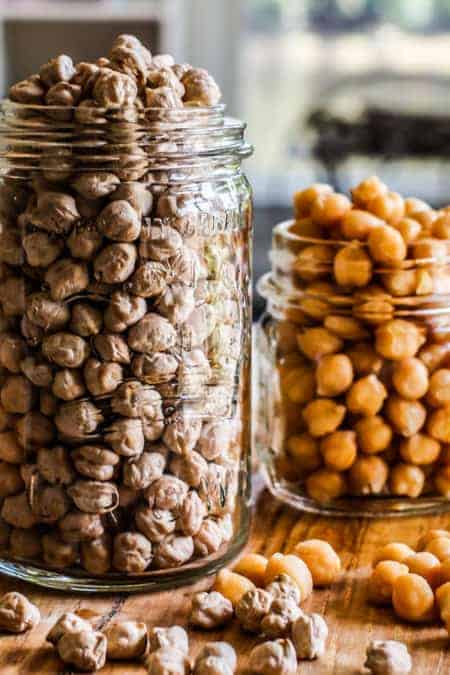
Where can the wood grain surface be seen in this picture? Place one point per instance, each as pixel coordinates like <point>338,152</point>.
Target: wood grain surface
<point>352,621</point>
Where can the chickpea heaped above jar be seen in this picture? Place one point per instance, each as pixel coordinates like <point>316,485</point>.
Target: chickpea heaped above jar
<point>358,325</point>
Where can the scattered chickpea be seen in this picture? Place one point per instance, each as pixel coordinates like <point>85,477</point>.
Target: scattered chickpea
<point>253,566</point>
<point>440,547</point>
<point>382,580</point>
<point>395,551</point>
<point>294,567</point>
<point>426,565</point>
<point>388,657</point>
<point>232,585</point>
<point>322,560</point>
<point>413,598</point>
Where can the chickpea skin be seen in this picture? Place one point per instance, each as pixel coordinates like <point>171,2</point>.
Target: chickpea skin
<point>366,396</point>
<point>318,342</point>
<point>323,416</point>
<point>304,450</point>
<point>413,598</point>
<point>406,417</point>
<point>352,267</point>
<point>368,475</point>
<point>325,485</point>
<point>253,566</point>
<point>373,433</point>
<point>426,565</point>
<point>339,450</point>
<point>420,449</point>
<point>334,375</point>
<point>410,378</point>
<point>329,208</point>
<point>322,560</point>
<point>382,580</point>
<point>294,567</point>
<point>406,480</point>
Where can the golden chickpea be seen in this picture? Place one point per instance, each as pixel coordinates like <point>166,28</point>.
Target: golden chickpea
<point>441,226</point>
<point>325,485</point>
<point>357,224</point>
<point>314,307</point>
<point>322,560</point>
<point>334,375</point>
<point>367,190</point>
<point>426,218</point>
<point>386,245</point>
<point>439,389</point>
<point>398,339</point>
<point>406,480</point>
<point>429,249</point>
<point>304,227</point>
<point>232,586</point>
<point>368,475</point>
<point>388,206</point>
<point>365,359</point>
<point>440,547</point>
<point>439,424</point>
<point>426,565</point>
<point>299,384</point>
<point>329,208</point>
<point>415,205</point>
<point>443,603</point>
<point>409,228</point>
<point>373,434</point>
<point>413,598</point>
<point>442,481</point>
<point>314,262</point>
<point>382,580</point>
<point>394,551</point>
<point>352,267</point>
<point>434,533</point>
<point>400,283</point>
<point>410,378</point>
<point>444,572</point>
<point>294,567</point>
<point>345,327</point>
<point>316,343</point>
<point>323,416</point>
<point>366,396</point>
<point>434,355</point>
<point>406,417</point>
<point>339,450</point>
<point>253,566</point>
<point>304,199</point>
<point>304,450</point>
<point>420,449</point>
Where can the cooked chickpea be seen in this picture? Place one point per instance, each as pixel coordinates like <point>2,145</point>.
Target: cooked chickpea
<point>406,480</point>
<point>373,433</point>
<point>253,566</point>
<point>352,267</point>
<point>415,205</point>
<point>420,449</point>
<point>232,585</point>
<point>345,327</point>
<point>314,262</point>
<point>366,396</point>
<point>440,547</point>
<point>382,580</point>
<point>443,603</point>
<point>323,416</point>
<point>339,450</point>
<point>439,424</point>
<point>364,358</point>
<point>398,339</point>
<point>304,227</point>
<point>402,283</point>
<point>322,560</point>
<point>434,355</point>
<point>444,571</point>
<point>429,249</point>
<point>410,378</point>
<point>367,190</point>
<point>388,206</point>
<point>329,208</point>
<point>318,342</point>
<point>426,565</point>
<point>442,481</point>
<point>304,450</point>
<point>409,228</point>
<point>334,375</point>
<point>439,389</point>
<point>368,475</point>
<point>396,551</point>
<point>413,598</point>
<point>407,417</point>
<point>325,485</point>
<point>293,567</point>
<point>434,533</point>
<point>299,384</point>
<point>441,226</point>
<point>386,245</point>
<point>304,199</point>
<point>357,224</point>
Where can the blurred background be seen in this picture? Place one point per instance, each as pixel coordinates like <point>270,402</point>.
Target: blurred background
<point>332,90</point>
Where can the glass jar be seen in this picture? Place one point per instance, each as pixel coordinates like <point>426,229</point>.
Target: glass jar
<point>125,345</point>
<point>354,414</point>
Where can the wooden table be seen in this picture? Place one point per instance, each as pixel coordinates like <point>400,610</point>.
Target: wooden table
<point>352,621</point>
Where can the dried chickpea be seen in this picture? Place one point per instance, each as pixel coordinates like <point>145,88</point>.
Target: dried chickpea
<point>366,396</point>
<point>413,598</point>
<point>382,580</point>
<point>339,450</point>
<point>388,206</point>
<point>396,551</point>
<point>352,267</point>
<point>410,378</point>
<point>364,358</point>
<point>304,450</point>
<point>323,416</point>
<point>420,449</point>
<point>304,199</point>
<point>409,228</point>
<point>316,343</point>
<point>426,565</point>
<point>438,424</point>
<point>406,417</point>
<point>329,207</point>
<point>334,375</point>
<point>367,190</point>
<point>406,480</point>
<point>232,585</point>
<point>398,339</point>
<point>253,566</point>
<point>439,388</point>
<point>299,384</point>
<point>325,485</point>
<point>368,475</point>
<point>373,434</point>
<point>322,560</point>
<point>440,547</point>
<point>294,567</point>
<point>357,224</point>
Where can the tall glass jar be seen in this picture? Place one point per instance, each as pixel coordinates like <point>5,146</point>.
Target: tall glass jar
<point>354,386</point>
<point>125,345</point>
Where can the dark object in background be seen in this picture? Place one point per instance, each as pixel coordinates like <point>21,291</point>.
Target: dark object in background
<point>265,220</point>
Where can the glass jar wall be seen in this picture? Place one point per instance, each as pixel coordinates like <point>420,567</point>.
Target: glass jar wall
<point>354,415</point>
<point>124,346</point>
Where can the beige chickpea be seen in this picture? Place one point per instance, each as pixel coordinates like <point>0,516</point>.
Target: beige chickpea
<point>304,199</point>
<point>366,396</point>
<point>409,228</point>
<point>253,566</point>
<point>440,547</point>
<point>373,433</point>
<point>328,208</point>
<point>413,598</point>
<point>382,580</point>
<point>410,378</point>
<point>364,358</point>
<point>442,481</point>
<point>367,190</point>
<point>318,342</point>
<point>420,449</point>
<point>357,224</point>
<point>293,567</point>
<point>322,560</point>
<point>339,450</point>
<point>426,565</point>
<point>398,339</point>
<point>304,450</point>
<point>334,375</point>
<point>299,384</point>
<point>439,388</point>
<point>325,485</point>
<point>396,551</point>
<point>323,416</point>
<point>388,206</point>
<point>68,384</point>
<point>368,475</point>
<point>406,480</point>
<point>232,585</point>
<point>352,267</point>
<point>407,417</point>
<point>345,327</point>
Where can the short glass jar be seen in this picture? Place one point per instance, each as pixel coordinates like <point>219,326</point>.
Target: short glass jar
<point>354,386</point>
<point>124,345</point>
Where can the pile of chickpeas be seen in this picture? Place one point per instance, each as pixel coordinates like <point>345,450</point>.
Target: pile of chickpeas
<point>415,583</point>
<point>362,338</point>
